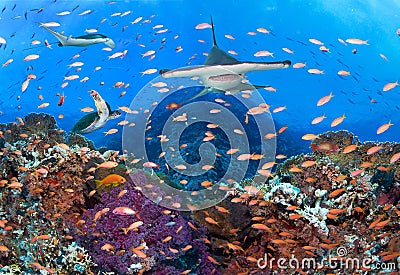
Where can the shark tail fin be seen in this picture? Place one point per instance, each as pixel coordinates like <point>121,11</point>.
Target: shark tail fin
<point>40,46</point>
<point>213,33</point>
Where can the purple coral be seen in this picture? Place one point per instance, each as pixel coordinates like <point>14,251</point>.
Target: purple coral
<point>170,245</point>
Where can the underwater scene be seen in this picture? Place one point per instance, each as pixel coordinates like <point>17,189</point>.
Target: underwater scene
<point>175,137</point>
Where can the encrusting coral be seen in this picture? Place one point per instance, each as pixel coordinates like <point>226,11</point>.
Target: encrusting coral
<point>315,207</point>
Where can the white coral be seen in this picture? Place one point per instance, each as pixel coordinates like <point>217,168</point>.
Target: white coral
<point>286,188</point>
<point>72,255</point>
<point>287,192</point>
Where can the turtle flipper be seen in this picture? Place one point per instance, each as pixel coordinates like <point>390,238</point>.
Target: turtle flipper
<point>114,114</point>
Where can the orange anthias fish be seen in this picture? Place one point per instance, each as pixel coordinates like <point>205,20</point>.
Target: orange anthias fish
<point>325,99</point>
<point>211,221</point>
<point>112,179</point>
<point>384,127</point>
<point>338,120</point>
<point>390,86</point>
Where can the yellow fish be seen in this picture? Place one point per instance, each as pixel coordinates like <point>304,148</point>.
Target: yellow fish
<point>112,179</point>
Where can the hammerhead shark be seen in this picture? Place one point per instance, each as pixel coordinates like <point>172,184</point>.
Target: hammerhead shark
<point>221,72</point>
<point>81,41</point>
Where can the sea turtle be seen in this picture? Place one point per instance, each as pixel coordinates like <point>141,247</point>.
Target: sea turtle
<point>95,120</point>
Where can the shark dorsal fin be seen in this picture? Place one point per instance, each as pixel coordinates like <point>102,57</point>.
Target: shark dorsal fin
<point>216,56</point>
<point>213,33</point>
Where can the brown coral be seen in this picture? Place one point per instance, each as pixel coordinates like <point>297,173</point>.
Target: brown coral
<point>329,201</point>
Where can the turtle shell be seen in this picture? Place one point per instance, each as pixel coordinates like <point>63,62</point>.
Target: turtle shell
<point>87,120</point>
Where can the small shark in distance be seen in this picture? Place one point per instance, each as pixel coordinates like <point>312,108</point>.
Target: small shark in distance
<point>81,41</point>
<point>221,72</point>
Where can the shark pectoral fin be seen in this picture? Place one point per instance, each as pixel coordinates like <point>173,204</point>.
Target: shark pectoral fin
<point>245,86</point>
<point>203,92</point>
<point>59,36</point>
<point>215,90</point>
<point>49,30</point>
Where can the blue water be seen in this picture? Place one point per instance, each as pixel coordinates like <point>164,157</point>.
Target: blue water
<point>291,24</point>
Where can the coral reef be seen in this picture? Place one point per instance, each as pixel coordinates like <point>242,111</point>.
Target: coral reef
<point>34,241</point>
<point>55,219</point>
<point>43,187</point>
<point>40,129</point>
<point>336,205</point>
<point>149,240</point>
<point>74,138</point>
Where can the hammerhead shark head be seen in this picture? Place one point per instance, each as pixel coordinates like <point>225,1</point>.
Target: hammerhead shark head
<point>221,72</point>
<point>81,41</point>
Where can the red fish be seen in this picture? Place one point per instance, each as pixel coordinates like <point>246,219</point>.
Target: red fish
<point>47,44</point>
<point>173,106</point>
<point>124,211</point>
<point>325,147</point>
<point>61,101</point>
